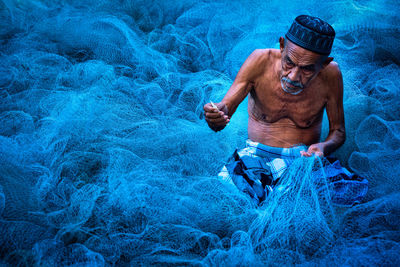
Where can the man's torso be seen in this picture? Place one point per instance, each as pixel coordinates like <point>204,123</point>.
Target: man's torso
<point>279,119</point>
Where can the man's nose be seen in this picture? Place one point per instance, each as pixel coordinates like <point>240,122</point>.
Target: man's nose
<point>294,74</point>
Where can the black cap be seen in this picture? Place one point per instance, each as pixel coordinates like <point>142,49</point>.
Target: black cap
<point>312,33</point>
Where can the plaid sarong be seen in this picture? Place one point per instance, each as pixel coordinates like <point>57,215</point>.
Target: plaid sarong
<point>348,188</point>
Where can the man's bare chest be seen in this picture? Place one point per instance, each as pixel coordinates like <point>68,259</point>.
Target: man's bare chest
<point>271,104</point>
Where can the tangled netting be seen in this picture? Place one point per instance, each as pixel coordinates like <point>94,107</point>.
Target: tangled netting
<point>105,157</point>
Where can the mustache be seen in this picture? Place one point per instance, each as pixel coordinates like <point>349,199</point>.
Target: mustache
<point>296,84</point>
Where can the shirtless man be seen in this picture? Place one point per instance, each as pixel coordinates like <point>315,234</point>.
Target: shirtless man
<point>288,90</point>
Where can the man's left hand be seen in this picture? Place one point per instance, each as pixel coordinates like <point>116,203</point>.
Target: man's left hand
<point>316,149</point>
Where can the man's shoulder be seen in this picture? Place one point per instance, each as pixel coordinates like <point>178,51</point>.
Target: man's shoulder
<point>333,79</point>
<point>265,54</point>
<point>260,59</point>
<point>332,71</point>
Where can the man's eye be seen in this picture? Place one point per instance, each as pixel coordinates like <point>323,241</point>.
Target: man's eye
<point>308,70</point>
<point>289,64</point>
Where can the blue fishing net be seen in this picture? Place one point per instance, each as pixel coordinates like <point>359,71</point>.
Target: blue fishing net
<point>106,159</point>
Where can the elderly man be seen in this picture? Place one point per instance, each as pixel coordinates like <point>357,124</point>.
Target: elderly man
<point>288,90</point>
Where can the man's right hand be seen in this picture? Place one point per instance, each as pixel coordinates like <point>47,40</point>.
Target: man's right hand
<point>217,119</point>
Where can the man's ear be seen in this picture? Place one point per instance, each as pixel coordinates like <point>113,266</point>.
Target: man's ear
<point>327,61</point>
<point>281,43</point>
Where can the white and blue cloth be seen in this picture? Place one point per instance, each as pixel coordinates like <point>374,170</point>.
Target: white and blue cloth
<point>348,188</point>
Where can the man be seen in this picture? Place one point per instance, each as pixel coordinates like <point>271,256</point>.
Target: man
<point>288,90</point>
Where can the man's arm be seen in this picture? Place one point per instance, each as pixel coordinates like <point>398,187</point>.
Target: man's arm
<point>334,110</point>
<point>251,68</point>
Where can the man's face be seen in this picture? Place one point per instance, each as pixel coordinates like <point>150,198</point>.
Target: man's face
<point>299,67</point>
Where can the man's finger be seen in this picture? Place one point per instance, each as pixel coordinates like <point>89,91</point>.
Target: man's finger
<point>305,154</point>
<point>217,121</point>
<point>319,154</point>
<point>220,106</point>
<point>214,106</point>
<point>315,151</point>
<point>208,108</point>
<point>213,115</point>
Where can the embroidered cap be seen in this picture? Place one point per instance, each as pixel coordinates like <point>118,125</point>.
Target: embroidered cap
<point>312,33</point>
